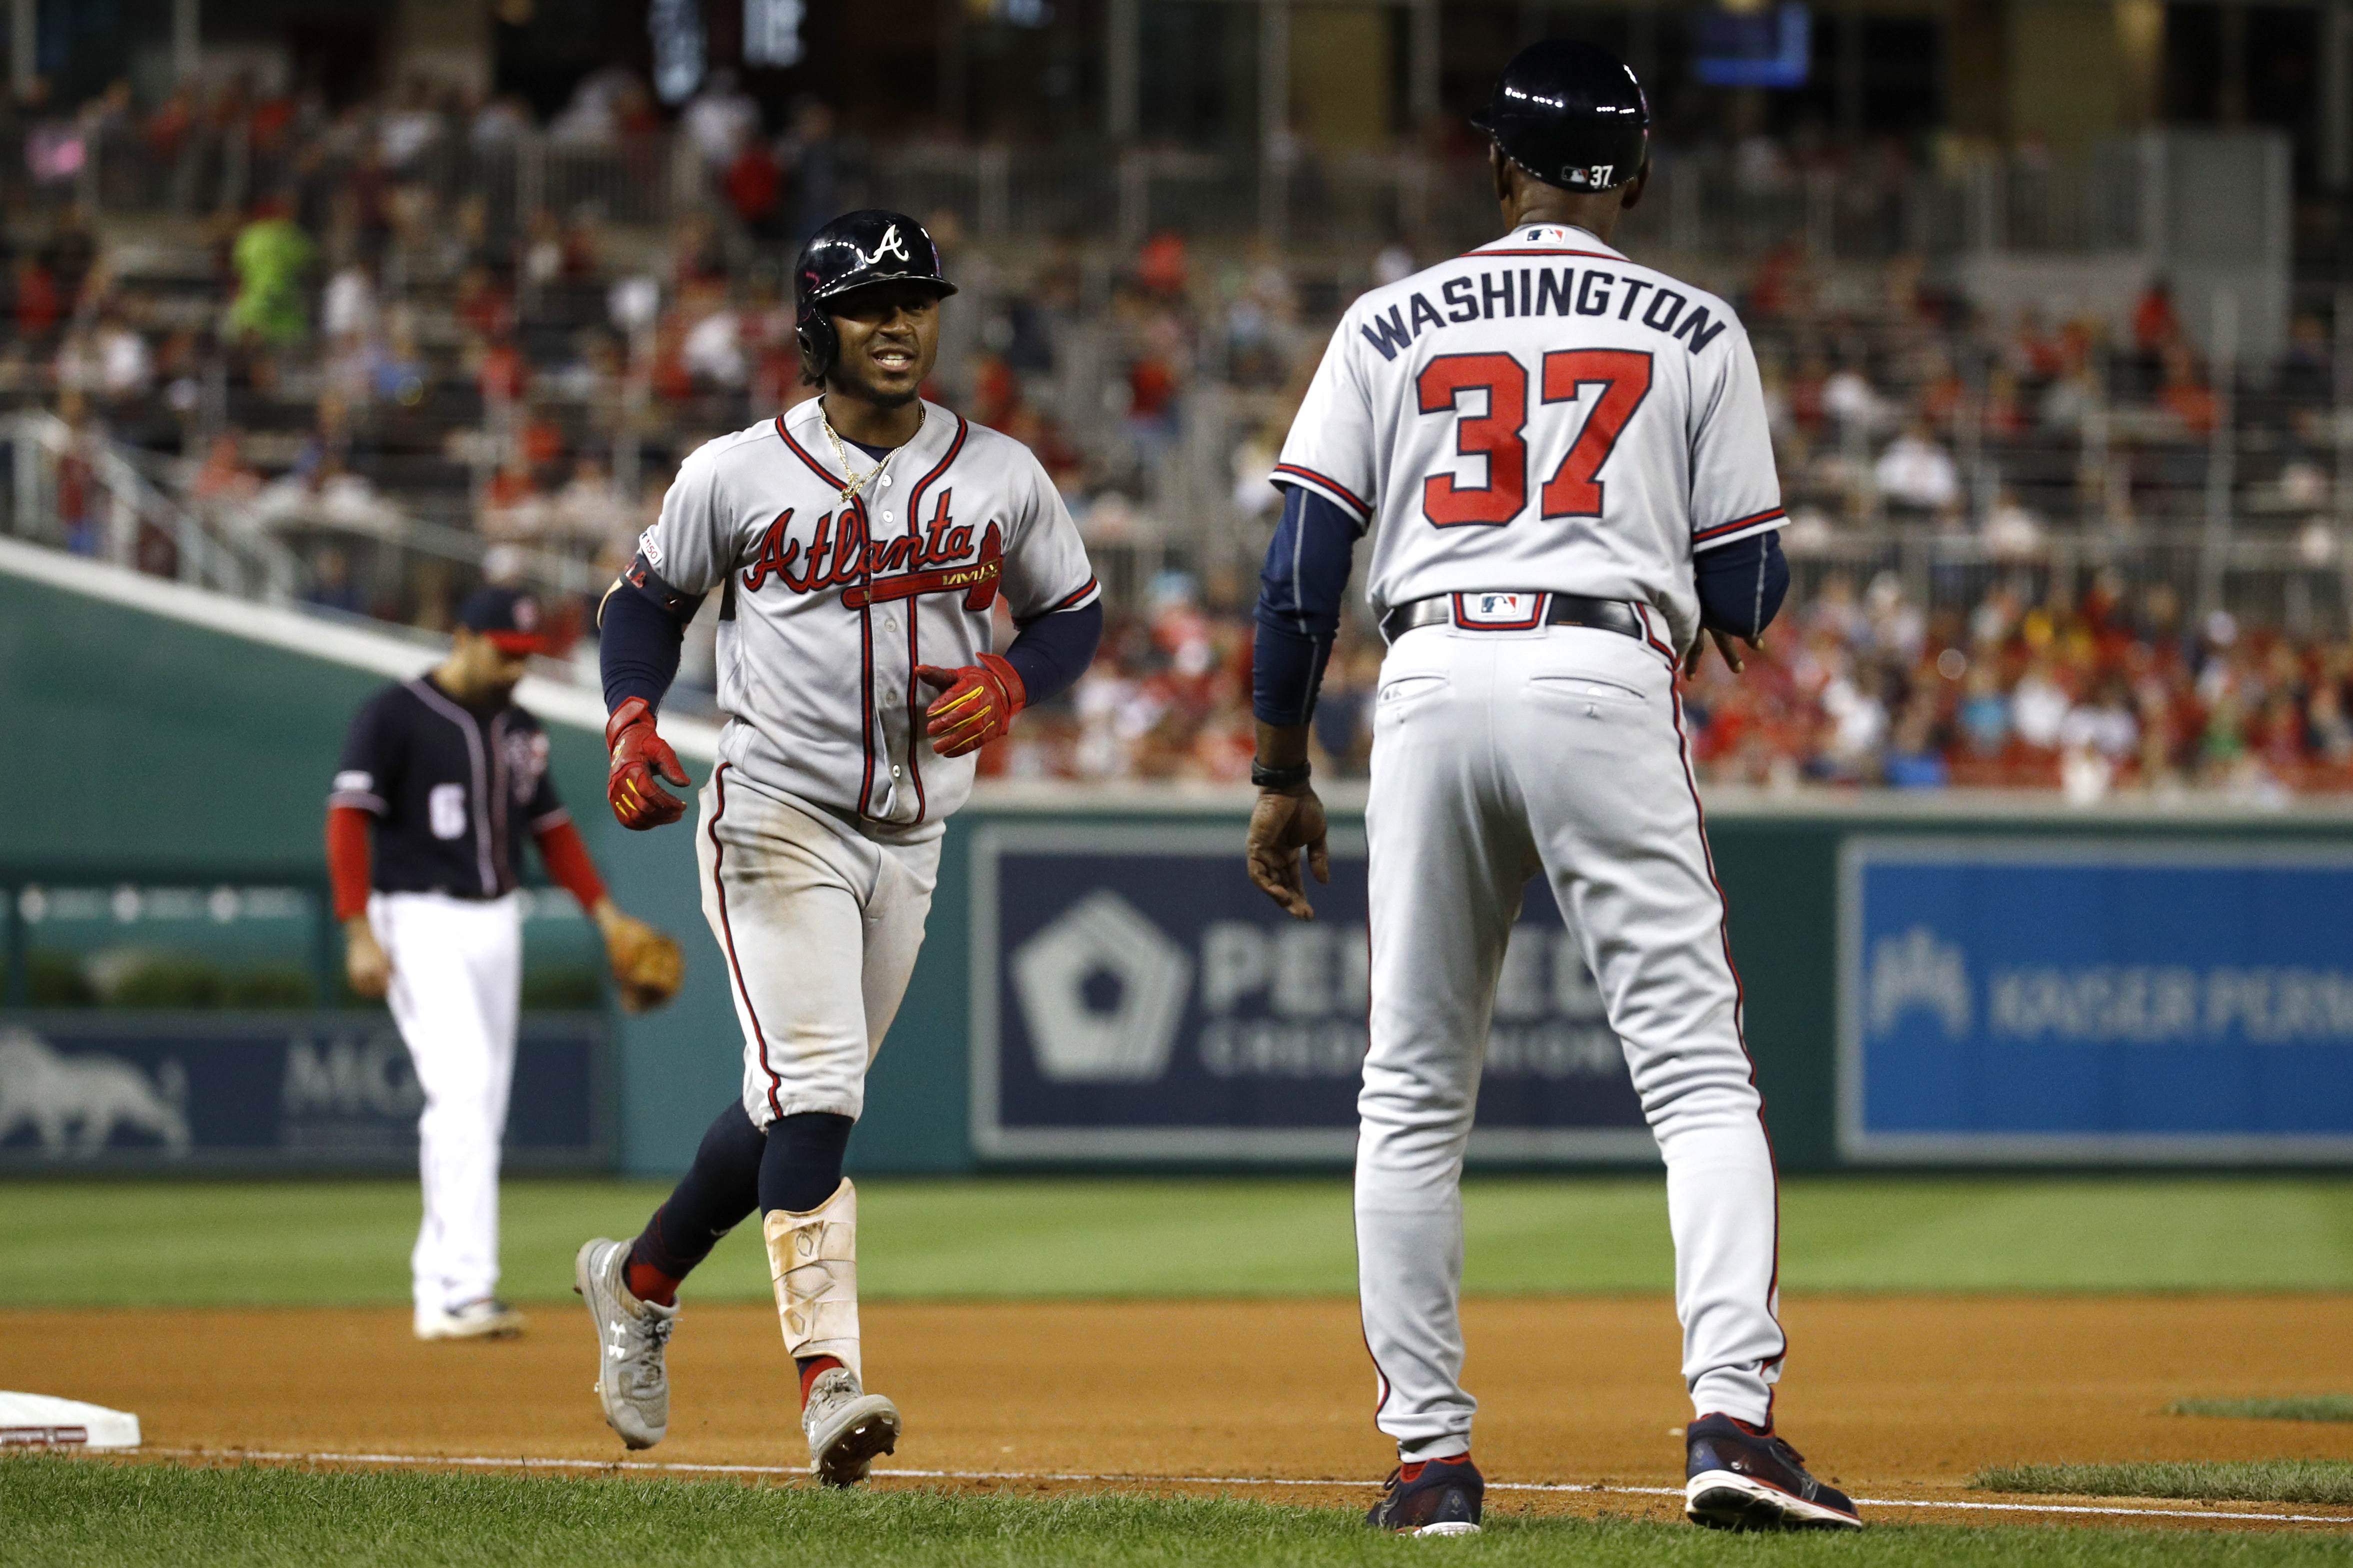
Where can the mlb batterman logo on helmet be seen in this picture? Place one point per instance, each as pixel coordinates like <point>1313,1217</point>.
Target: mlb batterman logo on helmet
<point>856,250</point>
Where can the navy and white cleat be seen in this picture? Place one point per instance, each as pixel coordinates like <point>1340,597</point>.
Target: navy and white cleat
<point>1741,1478</point>
<point>1431,1497</point>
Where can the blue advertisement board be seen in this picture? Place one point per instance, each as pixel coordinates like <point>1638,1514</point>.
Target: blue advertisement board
<point>2037,999</point>
<point>1134,997</point>
<point>262,1092</point>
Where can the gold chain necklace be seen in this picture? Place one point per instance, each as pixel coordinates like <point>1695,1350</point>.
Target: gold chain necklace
<point>852,481</point>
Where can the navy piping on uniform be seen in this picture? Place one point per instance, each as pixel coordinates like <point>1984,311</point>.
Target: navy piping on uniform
<point>459,717</point>
<point>1594,255</point>
<point>865,657</point>
<point>727,931</point>
<point>799,451</point>
<point>1380,1378</point>
<point>1706,535</point>
<point>1740,1036</point>
<point>1642,613</point>
<point>914,620</point>
<point>1067,601</point>
<point>1337,491</point>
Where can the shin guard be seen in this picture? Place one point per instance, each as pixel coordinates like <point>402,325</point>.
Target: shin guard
<point>813,1258</point>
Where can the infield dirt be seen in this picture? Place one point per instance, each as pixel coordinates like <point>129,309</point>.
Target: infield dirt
<point>1893,1396</point>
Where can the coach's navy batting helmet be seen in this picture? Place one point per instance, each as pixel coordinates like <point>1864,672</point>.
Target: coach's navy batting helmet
<point>1570,114</point>
<point>853,251</point>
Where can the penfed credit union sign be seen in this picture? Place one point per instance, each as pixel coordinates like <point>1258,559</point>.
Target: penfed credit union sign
<point>1135,998</point>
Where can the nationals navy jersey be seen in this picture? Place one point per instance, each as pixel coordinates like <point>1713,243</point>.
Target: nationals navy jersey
<point>454,790</point>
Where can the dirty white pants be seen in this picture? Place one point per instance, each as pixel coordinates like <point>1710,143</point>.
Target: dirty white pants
<point>457,983</point>
<point>1496,755</point>
<point>820,927</point>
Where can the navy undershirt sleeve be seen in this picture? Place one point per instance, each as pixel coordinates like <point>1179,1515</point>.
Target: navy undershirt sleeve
<point>1053,651</point>
<point>1300,591</point>
<point>641,630</point>
<point>1741,584</point>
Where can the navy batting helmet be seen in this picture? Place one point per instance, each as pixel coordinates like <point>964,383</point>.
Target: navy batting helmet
<point>853,251</point>
<point>1572,115</point>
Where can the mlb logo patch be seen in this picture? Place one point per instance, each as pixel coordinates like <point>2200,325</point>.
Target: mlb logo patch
<point>1499,612</point>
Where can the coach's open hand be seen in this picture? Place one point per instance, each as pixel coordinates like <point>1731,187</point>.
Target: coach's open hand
<point>639,756</point>
<point>1727,644</point>
<point>1281,825</point>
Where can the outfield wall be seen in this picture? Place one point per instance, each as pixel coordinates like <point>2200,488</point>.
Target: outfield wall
<point>1931,980</point>
<point>1952,981</point>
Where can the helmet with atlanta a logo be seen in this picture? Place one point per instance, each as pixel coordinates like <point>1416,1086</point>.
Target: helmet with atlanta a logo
<point>1572,114</point>
<point>855,251</point>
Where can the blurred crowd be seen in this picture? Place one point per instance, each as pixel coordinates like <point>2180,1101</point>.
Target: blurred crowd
<point>413,356</point>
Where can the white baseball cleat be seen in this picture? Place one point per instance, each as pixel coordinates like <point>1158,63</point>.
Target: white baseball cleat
<point>482,1320</point>
<point>631,1380</point>
<point>847,1426</point>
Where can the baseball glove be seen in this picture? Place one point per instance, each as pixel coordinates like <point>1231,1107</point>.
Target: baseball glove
<point>647,965</point>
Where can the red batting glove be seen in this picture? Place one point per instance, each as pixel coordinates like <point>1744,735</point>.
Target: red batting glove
<point>978,707</point>
<point>639,757</point>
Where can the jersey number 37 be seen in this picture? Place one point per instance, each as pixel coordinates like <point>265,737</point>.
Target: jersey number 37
<point>1498,435</point>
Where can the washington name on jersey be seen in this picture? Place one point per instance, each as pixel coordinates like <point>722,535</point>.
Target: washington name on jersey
<point>1541,413</point>
<point>829,600</point>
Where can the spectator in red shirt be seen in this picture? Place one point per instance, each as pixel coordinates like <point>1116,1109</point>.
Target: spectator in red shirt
<point>2156,327</point>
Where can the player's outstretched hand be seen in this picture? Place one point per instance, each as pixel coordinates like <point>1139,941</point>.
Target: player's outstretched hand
<point>979,705</point>
<point>1727,644</point>
<point>366,967</point>
<point>1281,825</point>
<point>641,756</point>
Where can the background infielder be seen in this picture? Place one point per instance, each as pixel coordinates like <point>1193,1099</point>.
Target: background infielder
<point>1563,461</point>
<point>451,775</point>
<point>859,544</point>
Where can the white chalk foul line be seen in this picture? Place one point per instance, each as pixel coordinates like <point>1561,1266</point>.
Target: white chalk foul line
<point>652,1466</point>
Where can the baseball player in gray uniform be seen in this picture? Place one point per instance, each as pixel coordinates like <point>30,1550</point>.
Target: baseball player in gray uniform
<point>859,544</point>
<point>1562,459</point>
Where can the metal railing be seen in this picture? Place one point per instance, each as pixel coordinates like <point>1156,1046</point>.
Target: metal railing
<point>82,491</point>
<point>86,493</point>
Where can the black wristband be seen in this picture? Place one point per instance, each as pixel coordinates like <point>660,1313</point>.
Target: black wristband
<point>1288,778</point>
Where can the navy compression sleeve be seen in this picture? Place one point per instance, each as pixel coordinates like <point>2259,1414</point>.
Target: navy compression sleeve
<point>1741,584</point>
<point>1053,651</point>
<point>1299,597</point>
<point>641,627</point>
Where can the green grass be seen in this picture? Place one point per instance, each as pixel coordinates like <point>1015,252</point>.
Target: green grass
<point>64,1512</point>
<point>297,1243</point>
<point>2309,1407</point>
<point>2207,1481</point>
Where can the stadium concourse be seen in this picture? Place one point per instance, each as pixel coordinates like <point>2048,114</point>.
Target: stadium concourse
<point>372,346</point>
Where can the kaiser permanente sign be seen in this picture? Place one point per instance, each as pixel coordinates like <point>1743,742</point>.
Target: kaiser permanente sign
<point>2050,999</point>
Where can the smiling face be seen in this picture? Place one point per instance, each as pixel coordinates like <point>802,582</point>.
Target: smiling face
<point>890,335</point>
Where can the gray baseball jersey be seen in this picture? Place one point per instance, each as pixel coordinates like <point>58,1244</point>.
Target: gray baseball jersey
<point>1540,412</point>
<point>831,600</point>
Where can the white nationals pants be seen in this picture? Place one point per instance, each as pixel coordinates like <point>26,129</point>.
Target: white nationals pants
<point>1496,755</point>
<point>820,927</point>
<point>457,983</point>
